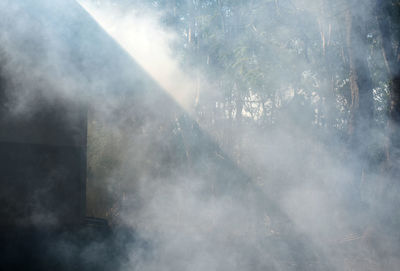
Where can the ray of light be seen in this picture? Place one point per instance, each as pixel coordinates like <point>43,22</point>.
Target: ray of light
<point>148,44</point>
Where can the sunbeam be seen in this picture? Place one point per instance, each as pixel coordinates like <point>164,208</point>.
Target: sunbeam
<point>149,44</point>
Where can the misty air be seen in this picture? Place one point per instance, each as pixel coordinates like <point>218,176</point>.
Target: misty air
<point>200,135</point>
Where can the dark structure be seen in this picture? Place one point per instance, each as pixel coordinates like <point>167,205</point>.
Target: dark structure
<point>43,179</point>
<point>43,164</point>
<point>43,133</point>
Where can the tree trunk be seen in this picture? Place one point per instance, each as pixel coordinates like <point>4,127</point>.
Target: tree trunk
<point>361,107</point>
<point>393,69</point>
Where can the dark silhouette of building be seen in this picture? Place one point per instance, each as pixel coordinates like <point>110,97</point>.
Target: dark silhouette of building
<point>43,164</point>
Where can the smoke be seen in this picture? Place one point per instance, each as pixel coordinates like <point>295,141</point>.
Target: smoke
<point>203,194</point>
<point>141,35</point>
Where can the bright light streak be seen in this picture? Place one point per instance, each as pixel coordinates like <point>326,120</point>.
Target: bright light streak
<point>148,44</point>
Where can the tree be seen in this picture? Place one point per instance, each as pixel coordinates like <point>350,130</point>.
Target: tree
<point>387,17</point>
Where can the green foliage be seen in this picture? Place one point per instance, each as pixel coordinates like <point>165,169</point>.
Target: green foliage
<point>266,62</point>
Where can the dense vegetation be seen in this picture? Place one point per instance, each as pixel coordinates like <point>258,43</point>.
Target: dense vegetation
<point>294,92</point>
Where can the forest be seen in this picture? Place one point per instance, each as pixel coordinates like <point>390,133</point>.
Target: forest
<point>300,95</point>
